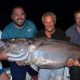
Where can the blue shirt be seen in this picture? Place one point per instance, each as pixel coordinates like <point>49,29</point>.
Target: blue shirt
<point>27,31</point>
<point>73,34</point>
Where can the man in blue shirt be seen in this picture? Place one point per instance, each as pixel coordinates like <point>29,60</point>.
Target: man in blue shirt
<point>74,34</point>
<point>20,28</point>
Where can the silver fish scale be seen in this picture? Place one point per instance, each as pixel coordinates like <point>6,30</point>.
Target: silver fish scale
<point>44,53</point>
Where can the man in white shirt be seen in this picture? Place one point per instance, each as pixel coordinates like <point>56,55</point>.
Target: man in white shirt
<point>3,74</point>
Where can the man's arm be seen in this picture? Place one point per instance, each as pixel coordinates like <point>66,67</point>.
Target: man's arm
<point>3,56</point>
<point>72,62</point>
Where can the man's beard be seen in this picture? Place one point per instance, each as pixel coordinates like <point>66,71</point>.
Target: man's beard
<point>19,24</point>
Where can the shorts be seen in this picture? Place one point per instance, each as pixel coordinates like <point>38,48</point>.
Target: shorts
<point>51,74</point>
<point>19,72</point>
<point>1,71</point>
<point>74,73</point>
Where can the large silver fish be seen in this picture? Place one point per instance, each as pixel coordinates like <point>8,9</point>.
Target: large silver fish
<point>44,53</point>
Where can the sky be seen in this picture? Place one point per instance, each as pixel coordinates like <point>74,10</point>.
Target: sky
<point>35,8</point>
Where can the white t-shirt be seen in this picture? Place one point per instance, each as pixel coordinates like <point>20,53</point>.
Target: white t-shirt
<point>0,62</point>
